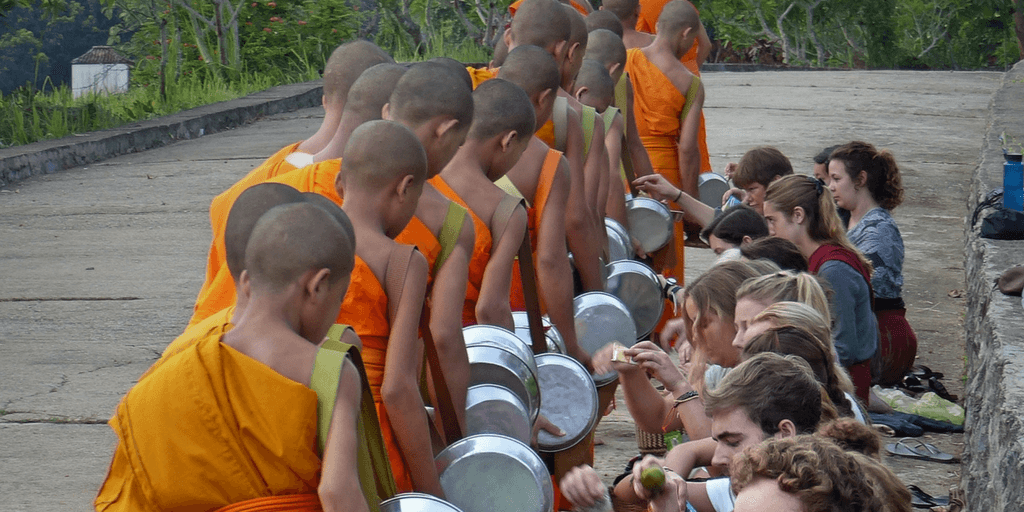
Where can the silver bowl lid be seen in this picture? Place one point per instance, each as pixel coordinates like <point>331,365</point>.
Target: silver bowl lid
<point>494,473</point>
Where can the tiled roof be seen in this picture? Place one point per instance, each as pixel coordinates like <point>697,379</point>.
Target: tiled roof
<point>102,55</point>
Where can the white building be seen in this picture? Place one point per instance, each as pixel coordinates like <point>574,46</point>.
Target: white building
<point>99,70</point>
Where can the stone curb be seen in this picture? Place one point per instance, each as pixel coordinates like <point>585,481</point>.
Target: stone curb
<point>50,156</point>
<point>992,474</point>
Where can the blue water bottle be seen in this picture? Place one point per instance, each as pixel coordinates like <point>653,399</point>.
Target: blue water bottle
<point>1013,183</point>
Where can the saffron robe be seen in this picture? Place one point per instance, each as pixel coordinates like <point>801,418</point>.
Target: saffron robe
<point>481,252</point>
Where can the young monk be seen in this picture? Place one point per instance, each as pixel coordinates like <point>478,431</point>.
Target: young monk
<point>182,446</point>
<point>369,94</point>
<point>595,88</point>
<point>503,124</point>
<point>604,20</point>
<point>348,62</point>
<point>542,177</point>
<point>628,12</point>
<point>384,169</point>
<point>666,119</point>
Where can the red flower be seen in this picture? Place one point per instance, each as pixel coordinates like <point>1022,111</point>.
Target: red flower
<point>267,30</point>
<point>301,22</point>
<point>254,4</point>
<point>200,57</point>
<point>248,23</point>
<point>274,19</point>
<point>334,31</point>
<point>150,57</point>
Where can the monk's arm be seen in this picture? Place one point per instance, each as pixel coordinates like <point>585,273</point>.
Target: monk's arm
<point>446,299</point>
<point>615,205</point>
<point>554,275</point>
<point>579,216</point>
<point>492,306</point>
<point>703,46</point>
<point>689,152</point>
<point>339,481</point>
<point>400,389</point>
<point>596,170</point>
<point>635,147</point>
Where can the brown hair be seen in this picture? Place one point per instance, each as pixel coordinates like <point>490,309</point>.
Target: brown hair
<point>853,436</point>
<point>770,388</point>
<point>883,175</point>
<point>814,198</point>
<point>783,252</point>
<point>825,477</point>
<point>735,223</point>
<point>715,291</point>
<point>761,165</point>
<point>790,340</point>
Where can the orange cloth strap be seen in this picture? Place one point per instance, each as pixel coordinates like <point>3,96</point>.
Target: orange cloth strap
<point>286,503</point>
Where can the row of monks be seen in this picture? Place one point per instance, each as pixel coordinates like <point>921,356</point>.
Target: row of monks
<point>398,221</point>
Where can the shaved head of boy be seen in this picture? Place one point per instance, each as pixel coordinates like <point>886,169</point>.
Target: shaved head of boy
<point>502,107</point>
<point>624,9</point>
<point>594,86</point>
<point>679,16</point>
<point>454,67</point>
<point>252,204</point>
<point>373,89</point>
<point>438,106</point>
<point>607,48</point>
<point>543,23</point>
<point>577,45</point>
<point>385,156</point>
<point>605,20</point>
<point>335,211</point>
<point>536,73</point>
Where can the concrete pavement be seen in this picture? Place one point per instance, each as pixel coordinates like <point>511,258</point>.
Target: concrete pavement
<point>99,265</point>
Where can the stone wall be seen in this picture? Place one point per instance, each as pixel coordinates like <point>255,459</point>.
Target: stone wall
<point>993,466</point>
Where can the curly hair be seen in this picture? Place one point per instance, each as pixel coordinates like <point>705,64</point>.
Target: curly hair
<point>882,174</point>
<point>853,436</point>
<point>822,475</point>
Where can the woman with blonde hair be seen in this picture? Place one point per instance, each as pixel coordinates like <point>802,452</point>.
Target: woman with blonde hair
<point>757,294</point>
<point>801,210</point>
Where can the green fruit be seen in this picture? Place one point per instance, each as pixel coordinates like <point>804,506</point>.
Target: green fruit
<point>653,479</point>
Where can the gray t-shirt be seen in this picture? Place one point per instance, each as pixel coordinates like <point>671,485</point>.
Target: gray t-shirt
<point>878,237</point>
<point>856,330</point>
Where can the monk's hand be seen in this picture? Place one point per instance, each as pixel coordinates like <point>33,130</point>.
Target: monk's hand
<point>730,169</point>
<point>582,487</point>
<point>652,358</point>
<point>657,187</point>
<point>602,360</point>
<point>544,424</point>
<point>638,248</point>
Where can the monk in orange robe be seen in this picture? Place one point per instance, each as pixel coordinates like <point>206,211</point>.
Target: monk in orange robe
<point>581,6</point>
<point>232,420</point>
<point>369,96</point>
<point>662,86</point>
<point>385,168</point>
<point>347,63</point>
<point>503,124</point>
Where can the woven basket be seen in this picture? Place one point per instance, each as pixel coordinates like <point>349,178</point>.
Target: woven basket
<point>650,443</point>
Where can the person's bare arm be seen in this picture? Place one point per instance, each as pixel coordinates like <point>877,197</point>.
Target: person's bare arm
<point>656,186</point>
<point>554,275</point>
<point>339,488</point>
<point>446,299</point>
<point>689,151</point>
<point>645,404</point>
<point>615,206</point>
<point>637,153</point>
<point>596,170</point>
<point>400,389</point>
<point>693,454</point>
<point>492,306</point>
<point>579,221</point>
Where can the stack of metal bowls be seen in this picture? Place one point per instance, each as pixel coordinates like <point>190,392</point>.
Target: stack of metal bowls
<point>570,401</point>
<point>555,342</point>
<point>494,473</point>
<point>416,502</point>
<point>639,288</point>
<point>601,319</point>
<point>619,245</point>
<point>504,395</point>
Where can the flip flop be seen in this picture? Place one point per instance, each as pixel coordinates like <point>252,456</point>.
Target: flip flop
<point>921,499</point>
<point>917,449</point>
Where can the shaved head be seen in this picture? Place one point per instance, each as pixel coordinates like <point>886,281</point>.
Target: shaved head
<point>454,67</point>
<point>606,48</point>
<point>596,79</point>
<point>380,152</point>
<point>577,26</point>
<point>500,106</point>
<point>621,8</point>
<point>606,20</point>
<point>677,16</point>
<point>250,205</point>
<point>532,69</point>
<point>330,207</point>
<point>345,64</point>
<point>372,90</point>
<point>429,90</point>
<point>542,23</point>
<point>293,239</point>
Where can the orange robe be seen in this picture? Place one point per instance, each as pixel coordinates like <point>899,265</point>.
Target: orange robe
<point>208,428</point>
<point>649,12</point>
<point>575,5</point>
<point>481,253</point>
<point>481,75</point>
<point>657,105</point>
<point>534,214</point>
<point>365,309</point>
<point>218,292</point>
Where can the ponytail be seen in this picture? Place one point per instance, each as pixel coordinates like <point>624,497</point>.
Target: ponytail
<point>883,175</point>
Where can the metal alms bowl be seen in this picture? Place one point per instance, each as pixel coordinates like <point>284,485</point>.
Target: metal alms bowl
<point>555,342</point>
<point>416,502</point>
<point>601,318</point>
<point>494,473</point>
<point>492,409</point>
<point>650,222</point>
<point>570,401</point>
<point>638,287</point>
<point>499,337</point>
<point>489,364</point>
<point>619,245</point>
<point>712,187</point>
